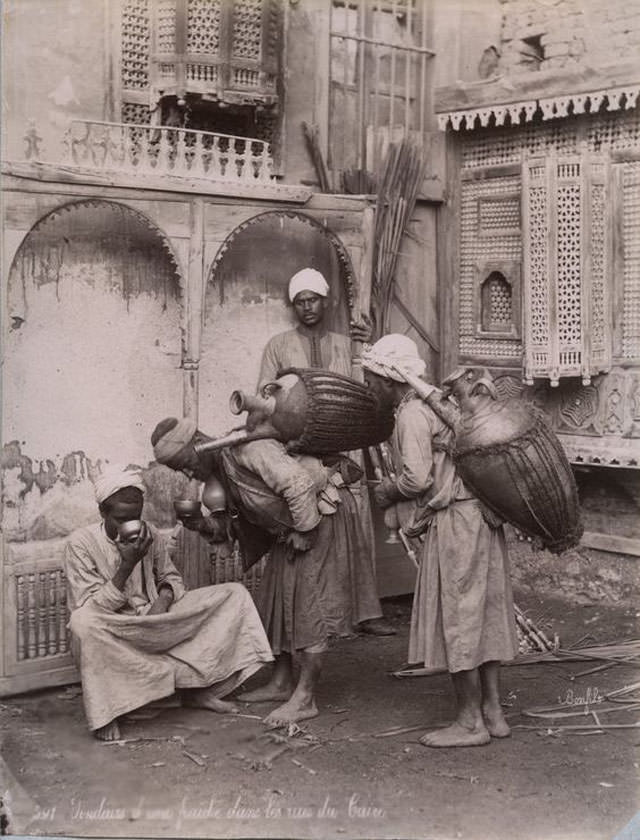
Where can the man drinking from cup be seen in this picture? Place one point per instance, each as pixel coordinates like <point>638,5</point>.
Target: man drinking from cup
<point>136,634</point>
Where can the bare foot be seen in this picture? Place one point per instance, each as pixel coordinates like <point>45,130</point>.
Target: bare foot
<point>456,735</point>
<point>213,704</point>
<point>495,722</point>
<point>291,712</point>
<point>267,693</point>
<point>110,732</point>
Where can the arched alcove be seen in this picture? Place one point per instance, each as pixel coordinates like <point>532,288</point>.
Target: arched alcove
<point>496,303</point>
<point>246,301</point>
<point>92,359</point>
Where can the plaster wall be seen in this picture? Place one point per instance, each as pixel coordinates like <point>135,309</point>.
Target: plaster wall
<point>246,304</point>
<point>92,362</point>
<point>53,70</point>
<point>307,25</point>
<point>461,31</point>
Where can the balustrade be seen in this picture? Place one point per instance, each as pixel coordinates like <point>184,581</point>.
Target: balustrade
<point>158,149</point>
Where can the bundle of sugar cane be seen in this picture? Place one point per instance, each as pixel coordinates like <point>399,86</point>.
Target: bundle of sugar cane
<point>530,636</point>
<point>626,653</point>
<point>402,176</point>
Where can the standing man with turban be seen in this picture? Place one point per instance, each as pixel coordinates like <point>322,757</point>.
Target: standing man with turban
<point>312,345</point>
<point>136,635</point>
<point>462,618</point>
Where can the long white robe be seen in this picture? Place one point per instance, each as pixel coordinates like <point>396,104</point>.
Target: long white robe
<point>210,638</point>
<point>462,612</point>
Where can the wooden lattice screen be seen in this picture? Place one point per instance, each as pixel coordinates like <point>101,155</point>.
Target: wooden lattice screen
<point>566,257</point>
<point>224,49</point>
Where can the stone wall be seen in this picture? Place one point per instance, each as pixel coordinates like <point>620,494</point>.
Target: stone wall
<point>580,576</point>
<point>567,33</point>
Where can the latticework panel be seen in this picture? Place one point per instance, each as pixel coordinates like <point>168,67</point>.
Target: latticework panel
<point>599,315</point>
<point>568,269</point>
<point>41,614</point>
<point>495,147</point>
<point>136,37</point>
<point>166,26</point>
<point>631,283</point>
<point>227,568</point>
<point>247,29</point>
<point>566,262</point>
<point>496,244</point>
<point>618,131</point>
<point>538,285</point>
<point>203,26</point>
<point>500,311</point>
<point>500,215</point>
<point>135,113</point>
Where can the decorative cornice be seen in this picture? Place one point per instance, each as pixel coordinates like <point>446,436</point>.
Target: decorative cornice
<point>61,173</point>
<point>555,107</point>
<point>603,452</point>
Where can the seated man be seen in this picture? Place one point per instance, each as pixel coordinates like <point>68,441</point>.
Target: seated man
<point>312,587</point>
<point>136,635</point>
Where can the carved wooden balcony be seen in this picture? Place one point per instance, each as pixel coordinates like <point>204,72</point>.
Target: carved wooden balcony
<point>158,157</point>
<point>118,147</point>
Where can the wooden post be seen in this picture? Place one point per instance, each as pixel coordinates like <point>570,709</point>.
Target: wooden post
<point>321,28</point>
<point>448,261</point>
<point>362,304</point>
<point>194,289</point>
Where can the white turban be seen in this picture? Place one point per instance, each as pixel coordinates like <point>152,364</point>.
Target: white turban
<point>114,478</point>
<point>308,280</point>
<point>175,439</point>
<point>392,351</point>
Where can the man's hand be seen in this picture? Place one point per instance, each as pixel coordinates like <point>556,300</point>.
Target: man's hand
<point>361,330</point>
<point>162,602</point>
<point>386,493</point>
<point>213,528</point>
<point>131,553</point>
<point>192,523</point>
<point>301,541</point>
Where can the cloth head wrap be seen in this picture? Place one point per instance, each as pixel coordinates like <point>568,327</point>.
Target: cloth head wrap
<point>308,280</point>
<point>173,439</point>
<point>115,478</point>
<point>390,350</point>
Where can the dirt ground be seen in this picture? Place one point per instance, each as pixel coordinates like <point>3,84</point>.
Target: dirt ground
<point>191,773</point>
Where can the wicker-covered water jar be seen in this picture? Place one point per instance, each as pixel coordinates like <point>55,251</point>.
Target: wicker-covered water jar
<point>512,460</point>
<point>311,410</point>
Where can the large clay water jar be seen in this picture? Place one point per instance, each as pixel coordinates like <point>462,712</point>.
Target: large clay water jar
<point>511,459</point>
<point>313,411</point>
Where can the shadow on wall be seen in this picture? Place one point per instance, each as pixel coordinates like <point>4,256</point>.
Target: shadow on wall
<point>92,362</point>
<point>246,303</point>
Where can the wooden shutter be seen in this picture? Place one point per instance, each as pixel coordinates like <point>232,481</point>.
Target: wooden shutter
<point>566,258</point>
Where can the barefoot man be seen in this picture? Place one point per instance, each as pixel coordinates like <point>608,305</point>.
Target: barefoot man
<point>312,587</point>
<point>463,617</point>
<point>137,636</point>
<point>313,345</point>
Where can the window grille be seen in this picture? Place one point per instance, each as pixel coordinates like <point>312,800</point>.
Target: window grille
<point>497,308</point>
<point>378,79</point>
<point>631,254</point>
<point>225,50</point>
<point>566,245</point>
<point>490,243</point>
